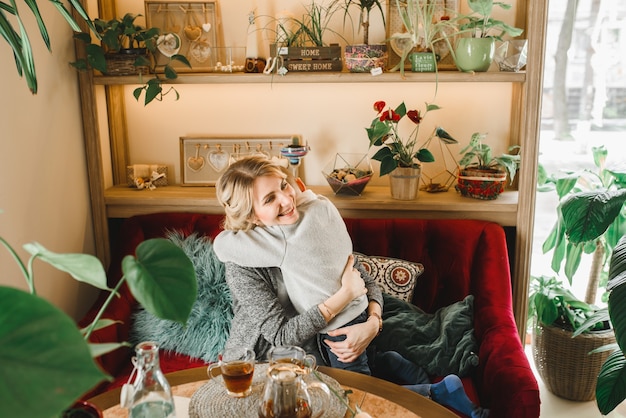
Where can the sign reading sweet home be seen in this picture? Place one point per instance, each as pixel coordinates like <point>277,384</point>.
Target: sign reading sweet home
<point>203,159</point>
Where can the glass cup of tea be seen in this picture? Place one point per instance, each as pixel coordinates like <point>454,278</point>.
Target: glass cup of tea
<point>236,368</point>
<point>293,355</point>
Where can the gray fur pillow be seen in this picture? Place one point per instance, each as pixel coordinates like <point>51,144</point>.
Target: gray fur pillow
<point>208,325</point>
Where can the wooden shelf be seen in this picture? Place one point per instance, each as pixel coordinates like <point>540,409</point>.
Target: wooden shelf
<point>327,77</point>
<point>375,202</point>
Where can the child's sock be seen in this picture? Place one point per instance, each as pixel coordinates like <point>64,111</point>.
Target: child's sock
<point>450,392</point>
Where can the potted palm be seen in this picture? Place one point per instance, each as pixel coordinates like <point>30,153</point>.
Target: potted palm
<point>364,57</point>
<point>127,48</point>
<point>401,158</point>
<point>475,50</point>
<point>51,360</point>
<point>483,175</point>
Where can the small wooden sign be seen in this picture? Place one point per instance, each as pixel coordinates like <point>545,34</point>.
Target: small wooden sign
<point>303,66</point>
<point>332,52</point>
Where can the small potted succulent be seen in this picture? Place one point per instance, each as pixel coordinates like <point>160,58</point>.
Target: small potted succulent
<point>483,176</point>
<point>401,158</point>
<point>364,57</point>
<point>127,48</point>
<point>348,174</point>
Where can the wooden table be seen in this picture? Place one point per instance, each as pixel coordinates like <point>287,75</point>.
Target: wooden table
<point>377,397</point>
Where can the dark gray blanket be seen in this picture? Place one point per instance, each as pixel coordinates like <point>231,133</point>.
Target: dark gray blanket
<point>442,343</point>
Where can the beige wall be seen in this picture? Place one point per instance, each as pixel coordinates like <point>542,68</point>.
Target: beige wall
<point>43,185</point>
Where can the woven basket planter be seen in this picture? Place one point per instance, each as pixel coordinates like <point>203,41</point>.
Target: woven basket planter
<point>481,184</point>
<point>564,363</point>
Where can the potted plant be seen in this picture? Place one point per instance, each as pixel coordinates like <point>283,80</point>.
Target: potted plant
<point>127,48</point>
<point>301,45</point>
<point>364,57</point>
<point>424,29</point>
<point>483,176</point>
<point>475,51</point>
<point>564,339</point>
<point>590,220</point>
<point>398,157</point>
<point>51,360</point>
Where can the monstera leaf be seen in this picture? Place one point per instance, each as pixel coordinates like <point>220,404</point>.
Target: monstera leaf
<point>611,385</point>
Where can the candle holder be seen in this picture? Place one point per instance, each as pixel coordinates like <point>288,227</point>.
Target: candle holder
<point>294,153</point>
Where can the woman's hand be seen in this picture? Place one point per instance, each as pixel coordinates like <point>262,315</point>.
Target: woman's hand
<point>351,281</point>
<point>358,338</point>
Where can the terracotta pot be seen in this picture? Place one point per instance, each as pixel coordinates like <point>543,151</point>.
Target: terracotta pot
<point>481,184</point>
<point>404,183</point>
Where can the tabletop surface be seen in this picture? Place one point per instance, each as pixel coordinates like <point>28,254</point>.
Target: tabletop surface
<point>372,394</point>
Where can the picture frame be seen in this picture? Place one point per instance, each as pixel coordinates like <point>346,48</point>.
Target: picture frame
<point>189,28</point>
<point>203,159</point>
<point>395,25</point>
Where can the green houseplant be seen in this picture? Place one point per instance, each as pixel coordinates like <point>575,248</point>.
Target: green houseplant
<point>45,357</point>
<point>483,175</point>
<point>401,158</point>
<point>567,335</point>
<point>127,48</point>
<point>364,57</point>
<point>19,40</point>
<point>590,220</point>
<point>611,381</point>
<point>475,51</point>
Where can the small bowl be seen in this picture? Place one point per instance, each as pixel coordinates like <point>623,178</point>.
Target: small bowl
<point>348,174</point>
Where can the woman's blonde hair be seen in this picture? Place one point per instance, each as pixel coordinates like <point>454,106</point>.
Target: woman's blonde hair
<point>234,189</point>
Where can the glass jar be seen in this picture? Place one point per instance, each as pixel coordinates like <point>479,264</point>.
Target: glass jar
<point>147,393</point>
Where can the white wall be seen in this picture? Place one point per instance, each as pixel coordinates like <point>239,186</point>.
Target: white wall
<point>43,184</point>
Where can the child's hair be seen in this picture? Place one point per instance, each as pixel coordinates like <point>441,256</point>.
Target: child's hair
<point>234,189</point>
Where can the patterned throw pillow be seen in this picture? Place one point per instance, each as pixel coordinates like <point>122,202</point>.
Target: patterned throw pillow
<point>395,277</point>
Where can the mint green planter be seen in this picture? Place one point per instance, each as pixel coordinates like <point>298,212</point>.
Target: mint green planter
<point>423,62</point>
<point>474,54</point>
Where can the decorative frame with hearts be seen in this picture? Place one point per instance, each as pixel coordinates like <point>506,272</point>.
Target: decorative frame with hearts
<point>197,26</point>
<point>204,158</point>
<point>394,24</point>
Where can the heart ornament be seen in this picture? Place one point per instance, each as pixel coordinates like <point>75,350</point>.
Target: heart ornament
<point>200,50</point>
<point>193,33</point>
<point>168,44</point>
<point>196,163</point>
<point>218,160</point>
<point>206,27</point>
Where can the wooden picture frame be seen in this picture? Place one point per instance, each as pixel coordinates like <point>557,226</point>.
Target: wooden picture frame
<point>394,25</point>
<point>197,26</point>
<point>204,159</point>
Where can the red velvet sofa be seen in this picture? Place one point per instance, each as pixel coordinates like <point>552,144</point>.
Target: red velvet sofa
<point>460,257</point>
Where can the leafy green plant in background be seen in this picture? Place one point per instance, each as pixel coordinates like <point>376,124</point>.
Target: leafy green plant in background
<point>365,7</point>
<point>590,217</point>
<point>478,155</point>
<point>480,24</point>
<point>14,32</point>
<point>44,357</point>
<point>124,34</point>
<point>611,383</point>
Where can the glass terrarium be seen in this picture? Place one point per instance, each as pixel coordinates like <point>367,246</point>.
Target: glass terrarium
<point>348,174</point>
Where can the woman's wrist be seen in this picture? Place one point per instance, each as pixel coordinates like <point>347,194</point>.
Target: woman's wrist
<point>378,320</point>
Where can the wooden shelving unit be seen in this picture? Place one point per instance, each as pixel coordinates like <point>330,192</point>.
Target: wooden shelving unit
<point>514,209</point>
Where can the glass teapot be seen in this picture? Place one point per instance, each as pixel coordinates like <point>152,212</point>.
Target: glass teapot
<point>286,395</point>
